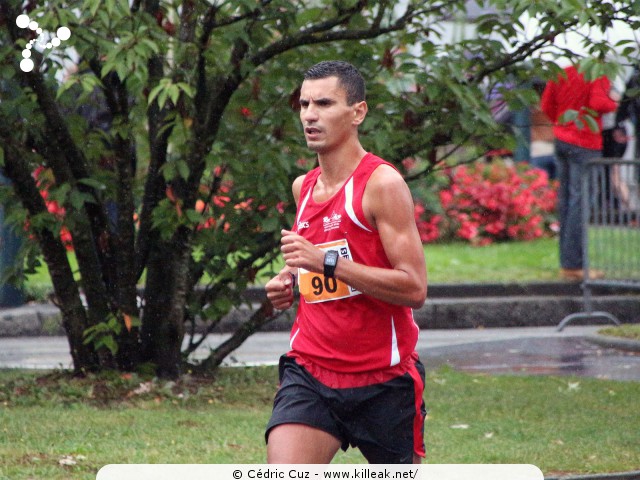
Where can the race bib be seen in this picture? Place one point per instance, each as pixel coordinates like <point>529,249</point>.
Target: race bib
<point>315,287</point>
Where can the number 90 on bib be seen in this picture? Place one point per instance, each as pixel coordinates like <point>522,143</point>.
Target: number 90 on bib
<point>315,287</point>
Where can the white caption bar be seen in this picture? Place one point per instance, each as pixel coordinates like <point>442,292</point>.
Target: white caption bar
<point>319,472</point>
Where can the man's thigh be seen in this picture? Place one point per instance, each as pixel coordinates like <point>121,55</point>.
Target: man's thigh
<point>387,423</point>
<point>299,405</point>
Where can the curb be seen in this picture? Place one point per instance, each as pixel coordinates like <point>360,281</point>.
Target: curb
<point>618,343</point>
<point>634,475</point>
<point>31,320</point>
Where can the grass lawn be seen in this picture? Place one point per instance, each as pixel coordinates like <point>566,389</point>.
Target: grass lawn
<point>558,424</point>
<point>610,249</point>
<point>630,331</point>
<point>508,262</point>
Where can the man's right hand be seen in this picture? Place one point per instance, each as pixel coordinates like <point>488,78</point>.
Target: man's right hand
<point>280,290</point>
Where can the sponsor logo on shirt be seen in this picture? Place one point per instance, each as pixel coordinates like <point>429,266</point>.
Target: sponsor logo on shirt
<point>303,225</point>
<point>332,222</point>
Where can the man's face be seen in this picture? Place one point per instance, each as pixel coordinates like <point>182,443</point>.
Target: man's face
<point>327,120</point>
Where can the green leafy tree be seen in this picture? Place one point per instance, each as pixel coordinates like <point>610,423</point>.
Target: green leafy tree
<point>166,133</point>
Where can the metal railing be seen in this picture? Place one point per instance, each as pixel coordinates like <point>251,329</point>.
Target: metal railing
<point>611,231</point>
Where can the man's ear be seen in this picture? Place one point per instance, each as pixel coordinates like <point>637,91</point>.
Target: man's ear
<point>360,110</point>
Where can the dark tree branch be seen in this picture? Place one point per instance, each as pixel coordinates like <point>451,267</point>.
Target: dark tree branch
<point>321,33</point>
<point>160,130</point>
<point>259,318</point>
<point>523,52</point>
<point>211,21</point>
<point>188,19</point>
<point>214,291</point>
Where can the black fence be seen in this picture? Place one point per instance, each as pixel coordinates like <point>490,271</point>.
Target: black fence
<point>611,231</point>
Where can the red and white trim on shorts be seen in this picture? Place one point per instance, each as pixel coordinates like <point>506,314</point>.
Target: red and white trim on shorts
<point>418,419</point>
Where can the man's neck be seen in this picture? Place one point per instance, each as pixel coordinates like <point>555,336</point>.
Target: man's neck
<point>337,166</point>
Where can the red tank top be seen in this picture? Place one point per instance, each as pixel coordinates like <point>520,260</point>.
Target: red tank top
<point>338,329</point>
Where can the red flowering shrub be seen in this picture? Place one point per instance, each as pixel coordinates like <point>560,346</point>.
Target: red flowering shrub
<point>428,228</point>
<point>493,201</point>
<point>43,182</point>
<point>210,208</point>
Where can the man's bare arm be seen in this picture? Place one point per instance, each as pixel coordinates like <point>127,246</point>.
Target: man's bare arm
<point>280,288</point>
<point>389,207</point>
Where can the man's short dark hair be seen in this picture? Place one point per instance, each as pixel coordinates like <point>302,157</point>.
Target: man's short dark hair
<point>349,78</point>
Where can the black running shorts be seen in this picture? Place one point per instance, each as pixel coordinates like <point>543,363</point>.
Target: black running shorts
<point>385,420</point>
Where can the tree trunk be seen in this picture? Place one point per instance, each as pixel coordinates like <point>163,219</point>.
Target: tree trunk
<point>74,316</point>
<point>165,299</point>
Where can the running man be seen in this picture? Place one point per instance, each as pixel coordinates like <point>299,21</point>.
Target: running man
<point>352,376</point>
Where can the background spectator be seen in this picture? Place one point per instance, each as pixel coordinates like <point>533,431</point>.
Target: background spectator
<point>575,145</point>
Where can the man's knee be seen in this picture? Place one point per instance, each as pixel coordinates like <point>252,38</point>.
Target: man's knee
<point>299,443</point>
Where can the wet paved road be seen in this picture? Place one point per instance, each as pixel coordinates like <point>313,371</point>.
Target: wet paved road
<point>526,350</point>
<point>539,356</point>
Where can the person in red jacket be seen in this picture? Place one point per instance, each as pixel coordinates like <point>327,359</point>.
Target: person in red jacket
<point>352,376</point>
<point>575,145</point>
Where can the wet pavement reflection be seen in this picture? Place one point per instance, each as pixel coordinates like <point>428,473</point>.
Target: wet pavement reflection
<point>538,356</point>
